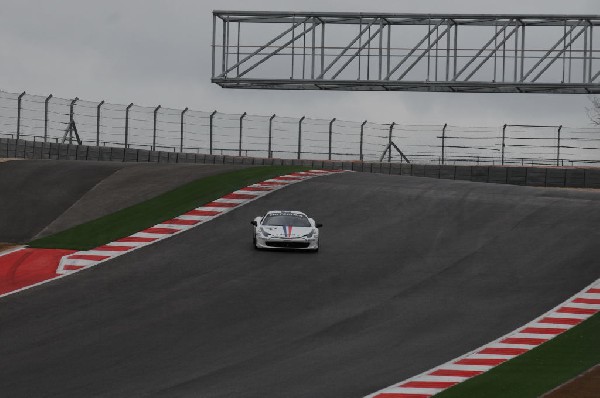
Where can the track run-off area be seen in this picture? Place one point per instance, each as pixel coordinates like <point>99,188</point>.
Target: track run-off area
<point>411,273</point>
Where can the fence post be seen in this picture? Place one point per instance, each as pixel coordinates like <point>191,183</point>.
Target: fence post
<point>503,139</point>
<point>212,115</point>
<point>444,143</point>
<point>558,146</point>
<point>19,114</point>
<point>72,119</point>
<point>269,151</point>
<point>241,129</point>
<point>127,125</point>
<point>390,142</point>
<point>154,128</point>
<point>362,131</point>
<point>300,136</point>
<point>98,122</point>
<point>181,138</point>
<point>46,117</point>
<point>330,135</point>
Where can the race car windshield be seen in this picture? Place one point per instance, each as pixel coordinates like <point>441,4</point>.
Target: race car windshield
<point>289,220</point>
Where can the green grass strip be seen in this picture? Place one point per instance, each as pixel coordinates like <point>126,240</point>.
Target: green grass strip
<point>161,208</point>
<point>539,370</point>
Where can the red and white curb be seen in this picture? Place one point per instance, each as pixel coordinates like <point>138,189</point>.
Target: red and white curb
<point>556,321</point>
<point>166,229</point>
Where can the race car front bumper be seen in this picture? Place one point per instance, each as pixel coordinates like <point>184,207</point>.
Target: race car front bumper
<point>300,243</point>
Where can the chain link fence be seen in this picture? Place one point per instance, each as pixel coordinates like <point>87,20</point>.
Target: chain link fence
<point>52,119</point>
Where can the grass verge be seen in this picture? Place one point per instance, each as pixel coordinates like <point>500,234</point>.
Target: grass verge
<point>163,207</point>
<point>539,370</point>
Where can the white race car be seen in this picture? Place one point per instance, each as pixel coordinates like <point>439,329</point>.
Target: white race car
<point>286,230</point>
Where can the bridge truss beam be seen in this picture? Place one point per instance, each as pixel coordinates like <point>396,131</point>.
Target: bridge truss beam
<point>406,52</point>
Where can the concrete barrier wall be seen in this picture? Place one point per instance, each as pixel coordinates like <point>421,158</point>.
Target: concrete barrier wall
<point>579,177</point>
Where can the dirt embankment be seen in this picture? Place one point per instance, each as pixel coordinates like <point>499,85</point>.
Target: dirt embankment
<point>586,385</point>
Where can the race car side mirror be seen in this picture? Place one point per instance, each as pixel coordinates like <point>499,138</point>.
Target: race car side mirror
<point>318,225</point>
<point>253,222</point>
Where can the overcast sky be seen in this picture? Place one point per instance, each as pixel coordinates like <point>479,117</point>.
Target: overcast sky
<point>154,52</point>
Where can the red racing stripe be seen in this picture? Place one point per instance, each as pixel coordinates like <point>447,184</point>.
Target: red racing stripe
<point>178,221</point>
<point>503,351</point>
<point>593,291</point>
<point>90,257</point>
<point>429,384</point>
<point>256,189</point>
<point>454,372</point>
<point>523,340</point>
<point>543,330</point>
<point>561,321</point>
<point>240,196</point>
<point>107,248</point>
<point>204,213</point>
<point>135,239</point>
<point>272,183</point>
<point>287,178</point>
<point>586,301</point>
<point>221,204</point>
<point>160,231</point>
<point>481,361</point>
<point>575,310</point>
<point>73,267</point>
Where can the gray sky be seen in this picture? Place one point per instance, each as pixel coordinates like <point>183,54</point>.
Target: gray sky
<point>158,52</point>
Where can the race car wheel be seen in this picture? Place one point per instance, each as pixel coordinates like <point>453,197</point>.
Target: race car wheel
<point>254,243</point>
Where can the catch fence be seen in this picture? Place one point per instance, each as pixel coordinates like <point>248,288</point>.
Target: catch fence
<point>52,119</point>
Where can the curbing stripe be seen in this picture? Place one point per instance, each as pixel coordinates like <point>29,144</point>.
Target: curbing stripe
<point>544,328</point>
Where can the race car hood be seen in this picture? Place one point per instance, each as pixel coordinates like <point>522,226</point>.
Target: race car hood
<point>286,231</point>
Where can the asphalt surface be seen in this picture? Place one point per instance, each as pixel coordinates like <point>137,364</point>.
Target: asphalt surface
<point>41,197</point>
<point>411,273</point>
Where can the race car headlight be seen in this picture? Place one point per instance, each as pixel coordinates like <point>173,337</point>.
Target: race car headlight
<point>264,233</point>
<point>310,234</point>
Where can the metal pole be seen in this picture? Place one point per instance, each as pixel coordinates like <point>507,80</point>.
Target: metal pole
<point>330,135</point>
<point>98,122</point>
<point>444,143</point>
<point>390,142</point>
<point>214,33</point>
<point>46,117</point>
<point>154,129</point>
<point>322,46</point>
<point>503,142</point>
<point>558,146</point>
<point>224,38</point>
<point>312,67</point>
<point>241,129</point>
<point>182,125</point>
<point>362,131</point>
<point>300,136</point>
<point>127,125</point>
<point>380,48</point>
<point>585,48</point>
<point>270,151</point>
<point>71,119</point>
<point>19,115</point>
<point>238,48</point>
<point>212,115</point>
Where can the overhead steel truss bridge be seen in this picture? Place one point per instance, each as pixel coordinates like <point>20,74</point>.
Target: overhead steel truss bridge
<point>406,52</point>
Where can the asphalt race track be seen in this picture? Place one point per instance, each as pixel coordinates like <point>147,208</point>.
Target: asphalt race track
<point>42,197</point>
<point>411,273</point>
